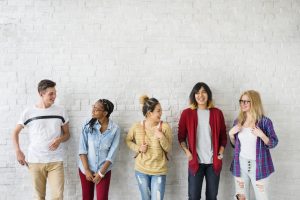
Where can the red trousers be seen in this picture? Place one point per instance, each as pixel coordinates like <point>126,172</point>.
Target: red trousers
<point>102,187</point>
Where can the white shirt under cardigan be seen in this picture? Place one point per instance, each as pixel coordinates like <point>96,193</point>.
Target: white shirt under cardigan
<point>203,137</point>
<point>43,126</point>
<point>248,144</point>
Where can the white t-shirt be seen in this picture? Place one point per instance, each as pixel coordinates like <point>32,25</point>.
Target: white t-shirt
<point>203,138</point>
<point>248,144</point>
<point>43,126</point>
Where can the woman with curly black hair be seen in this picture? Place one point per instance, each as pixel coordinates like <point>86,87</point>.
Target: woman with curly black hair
<point>98,147</point>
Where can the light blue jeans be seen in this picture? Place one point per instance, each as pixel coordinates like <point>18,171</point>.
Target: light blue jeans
<point>248,177</point>
<point>152,187</point>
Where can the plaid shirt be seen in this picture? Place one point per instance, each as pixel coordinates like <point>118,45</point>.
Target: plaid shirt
<point>264,164</point>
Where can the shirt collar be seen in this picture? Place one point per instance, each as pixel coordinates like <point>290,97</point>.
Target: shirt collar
<point>109,126</point>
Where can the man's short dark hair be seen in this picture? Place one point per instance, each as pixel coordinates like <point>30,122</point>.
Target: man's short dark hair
<point>44,84</point>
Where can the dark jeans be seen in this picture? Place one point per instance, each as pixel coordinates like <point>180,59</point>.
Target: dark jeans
<point>212,183</point>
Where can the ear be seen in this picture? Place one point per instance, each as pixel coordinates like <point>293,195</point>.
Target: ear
<point>105,113</point>
<point>148,114</point>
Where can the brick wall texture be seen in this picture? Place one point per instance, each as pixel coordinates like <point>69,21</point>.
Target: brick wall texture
<point>121,49</point>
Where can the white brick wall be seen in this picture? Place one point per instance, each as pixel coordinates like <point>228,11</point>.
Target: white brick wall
<point>120,49</point>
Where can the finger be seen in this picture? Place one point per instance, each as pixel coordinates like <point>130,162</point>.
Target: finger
<point>95,180</point>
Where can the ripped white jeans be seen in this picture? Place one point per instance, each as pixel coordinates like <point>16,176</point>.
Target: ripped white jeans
<point>248,177</point>
<point>152,187</point>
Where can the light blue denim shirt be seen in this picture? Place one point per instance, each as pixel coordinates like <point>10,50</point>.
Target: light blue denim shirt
<point>99,147</point>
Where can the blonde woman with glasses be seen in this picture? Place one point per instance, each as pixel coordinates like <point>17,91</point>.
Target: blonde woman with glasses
<point>252,137</point>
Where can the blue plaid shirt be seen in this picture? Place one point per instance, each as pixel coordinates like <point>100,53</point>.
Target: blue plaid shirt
<point>264,164</point>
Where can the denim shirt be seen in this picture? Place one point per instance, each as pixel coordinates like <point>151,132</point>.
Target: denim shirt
<point>99,147</point>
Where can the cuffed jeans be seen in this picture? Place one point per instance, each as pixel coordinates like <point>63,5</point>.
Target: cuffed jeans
<point>195,183</point>
<point>152,187</point>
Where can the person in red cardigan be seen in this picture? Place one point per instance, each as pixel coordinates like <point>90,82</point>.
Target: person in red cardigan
<point>202,136</point>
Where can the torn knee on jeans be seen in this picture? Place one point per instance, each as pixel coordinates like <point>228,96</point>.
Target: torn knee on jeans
<point>240,197</point>
<point>260,186</point>
<point>241,183</point>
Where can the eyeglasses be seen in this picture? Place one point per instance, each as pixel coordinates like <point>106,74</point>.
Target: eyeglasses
<point>94,108</point>
<point>245,102</point>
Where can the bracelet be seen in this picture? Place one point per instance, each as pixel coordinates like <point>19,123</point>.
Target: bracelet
<point>100,174</point>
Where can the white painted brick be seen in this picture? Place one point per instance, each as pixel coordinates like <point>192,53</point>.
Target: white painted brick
<point>122,49</point>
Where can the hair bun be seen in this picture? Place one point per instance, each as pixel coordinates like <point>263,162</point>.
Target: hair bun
<point>144,99</point>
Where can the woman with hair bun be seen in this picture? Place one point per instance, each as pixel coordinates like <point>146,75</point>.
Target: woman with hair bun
<point>98,146</point>
<point>151,140</point>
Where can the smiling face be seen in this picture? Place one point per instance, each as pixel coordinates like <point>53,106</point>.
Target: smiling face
<point>201,98</point>
<point>245,103</point>
<point>155,115</point>
<point>48,96</point>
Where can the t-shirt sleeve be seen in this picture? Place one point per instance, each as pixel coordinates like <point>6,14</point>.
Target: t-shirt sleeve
<point>65,116</point>
<point>22,118</point>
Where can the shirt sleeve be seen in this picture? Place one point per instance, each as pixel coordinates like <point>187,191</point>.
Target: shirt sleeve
<point>166,142</point>
<point>130,140</point>
<point>65,116</point>
<point>182,128</point>
<point>83,141</point>
<point>269,131</point>
<point>114,147</point>
<point>235,122</point>
<point>22,118</point>
<point>223,135</point>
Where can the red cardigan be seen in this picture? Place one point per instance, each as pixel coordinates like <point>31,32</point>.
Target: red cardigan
<point>187,129</point>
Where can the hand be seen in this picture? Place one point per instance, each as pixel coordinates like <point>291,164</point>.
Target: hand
<point>158,134</point>
<point>257,132</point>
<point>97,178</point>
<point>220,156</point>
<point>143,148</point>
<point>55,143</point>
<point>189,155</point>
<point>88,175</point>
<point>240,182</point>
<point>234,130</point>
<point>21,158</point>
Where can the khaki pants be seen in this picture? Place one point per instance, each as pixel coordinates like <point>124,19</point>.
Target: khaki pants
<point>54,171</point>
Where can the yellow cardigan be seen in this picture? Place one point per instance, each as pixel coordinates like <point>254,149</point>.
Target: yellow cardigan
<point>154,160</point>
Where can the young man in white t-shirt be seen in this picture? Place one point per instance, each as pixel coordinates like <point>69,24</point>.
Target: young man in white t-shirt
<point>48,128</point>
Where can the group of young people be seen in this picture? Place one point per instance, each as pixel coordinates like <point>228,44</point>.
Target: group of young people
<point>201,135</point>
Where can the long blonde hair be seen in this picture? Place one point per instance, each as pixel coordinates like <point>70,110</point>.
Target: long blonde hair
<point>256,108</point>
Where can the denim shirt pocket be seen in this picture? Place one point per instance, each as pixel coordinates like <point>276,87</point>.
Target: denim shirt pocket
<point>107,142</point>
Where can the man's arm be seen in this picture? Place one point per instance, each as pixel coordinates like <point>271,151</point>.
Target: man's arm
<point>15,139</point>
<point>64,137</point>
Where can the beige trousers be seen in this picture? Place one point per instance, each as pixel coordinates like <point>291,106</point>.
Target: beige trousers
<point>54,172</point>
